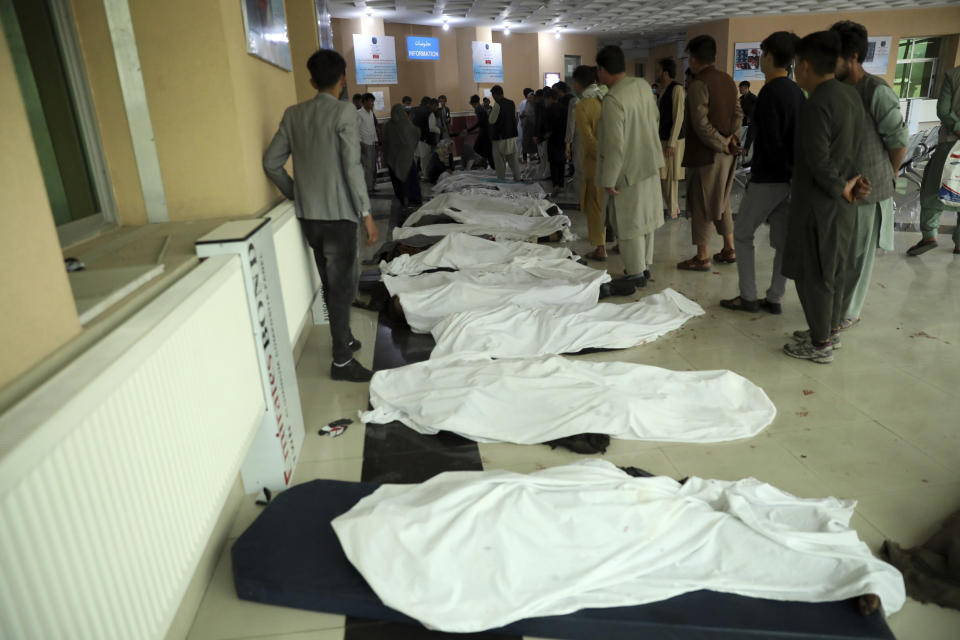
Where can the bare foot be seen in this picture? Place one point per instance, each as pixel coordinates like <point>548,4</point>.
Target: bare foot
<point>868,604</point>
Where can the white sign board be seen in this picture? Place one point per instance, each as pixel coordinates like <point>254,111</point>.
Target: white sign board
<point>376,59</point>
<point>487,62</point>
<point>379,104</point>
<point>273,454</point>
<point>878,55</point>
<point>746,63</point>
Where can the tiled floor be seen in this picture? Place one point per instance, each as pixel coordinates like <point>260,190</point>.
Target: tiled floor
<point>881,424</point>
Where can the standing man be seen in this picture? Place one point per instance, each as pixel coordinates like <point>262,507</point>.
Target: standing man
<point>554,132</point>
<point>503,133</point>
<point>587,114</point>
<point>357,99</point>
<point>424,118</point>
<point>768,193</point>
<point>747,102</point>
<point>826,184</point>
<point>713,122</point>
<point>523,124</point>
<point>948,110</point>
<point>407,103</point>
<point>629,162</point>
<point>884,148</point>
<point>673,98</point>
<point>329,195</point>
<point>445,118</point>
<point>367,124</point>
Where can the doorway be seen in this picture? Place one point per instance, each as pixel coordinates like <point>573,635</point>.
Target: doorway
<point>49,68</point>
<point>569,64</point>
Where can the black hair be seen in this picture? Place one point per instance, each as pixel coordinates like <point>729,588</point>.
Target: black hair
<point>474,99</point>
<point>585,75</point>
<point>326,67</point>
<point>496,90</point>
<point>549,93</point>
<point>425,100</point>
<point>441,97</point>
<point>527,91</point>
<point>407,99</point>
<point>744,83</point>
<point>853,39</point>
<point>367,96</point>
<point>782,45</point>
<point>561,87</point>
<point>357,97</point>
<point>669,66</point>
<point>703,48</point>
<point>612,60</point>
<point>820,50</point>
<point>689,73</point>
<point>486,99</point>
<point>538,93</point>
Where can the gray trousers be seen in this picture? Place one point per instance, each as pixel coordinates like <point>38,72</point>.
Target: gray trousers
<point>763,202</point>
<point>637,253</point>
<point>368,158</point>
<point>505,152</point>
<point>930,206</point>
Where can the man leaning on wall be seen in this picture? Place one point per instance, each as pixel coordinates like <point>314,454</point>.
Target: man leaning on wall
<point>330,195</point>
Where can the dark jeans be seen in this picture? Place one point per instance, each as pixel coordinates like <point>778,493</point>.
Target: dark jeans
<point>334,244</point>
<point>407,191</point>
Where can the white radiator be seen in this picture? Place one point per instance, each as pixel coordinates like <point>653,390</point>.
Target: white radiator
<point>298,270</point>
<point>113,473</point>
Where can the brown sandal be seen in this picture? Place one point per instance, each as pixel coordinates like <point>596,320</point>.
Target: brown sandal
<point>595,256</point>
<point>725,256</point>
<point>693,264</point>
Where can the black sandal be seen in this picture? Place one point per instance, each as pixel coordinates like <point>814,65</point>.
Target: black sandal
<point>739,304</point>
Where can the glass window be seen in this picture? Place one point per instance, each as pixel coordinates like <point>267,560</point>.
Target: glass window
<point>917,60</point>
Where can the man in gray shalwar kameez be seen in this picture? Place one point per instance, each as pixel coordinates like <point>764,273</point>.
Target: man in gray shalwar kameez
<point>821,249</point>
<point>628,166</point>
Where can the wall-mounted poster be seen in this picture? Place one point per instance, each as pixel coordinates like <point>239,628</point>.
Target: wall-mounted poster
<point>746,62</point>
<point>266,28</point>
<point>421,48</point>
<point>487,62</point>
<point>878,54</point>
<point>376,59</point>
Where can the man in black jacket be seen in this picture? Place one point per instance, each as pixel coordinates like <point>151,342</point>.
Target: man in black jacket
<point>503,132</point>
<point>768,194</point>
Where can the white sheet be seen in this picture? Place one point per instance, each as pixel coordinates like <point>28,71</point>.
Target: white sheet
<point>528,282</point>
<point>486,179</point>
<point>535,400</point>
<point>521,206</point>
<point>462,251</point>
<point>502,226</point>
<point>469,551</point>
<point>509,331</point>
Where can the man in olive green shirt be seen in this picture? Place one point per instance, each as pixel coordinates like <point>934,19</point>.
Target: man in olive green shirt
<point>884,148</point>
<point>948,110</point>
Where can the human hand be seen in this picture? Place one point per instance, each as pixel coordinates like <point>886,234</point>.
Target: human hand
<point>372,233</point>
<point>733,146</point>
<point>848,188</point>
<point>862,188</point>
<point>669,152</point>
<point>613,191</point>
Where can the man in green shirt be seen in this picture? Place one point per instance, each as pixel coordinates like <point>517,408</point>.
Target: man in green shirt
<point>948,110</point>
<point>884,147</point>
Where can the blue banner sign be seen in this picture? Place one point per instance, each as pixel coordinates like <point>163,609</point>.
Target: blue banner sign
<point>420,48</point>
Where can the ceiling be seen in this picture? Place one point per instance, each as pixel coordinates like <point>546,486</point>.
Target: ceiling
<point>640,17</point>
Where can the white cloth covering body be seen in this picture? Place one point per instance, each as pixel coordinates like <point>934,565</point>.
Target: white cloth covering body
<point>460,180</point>
<point>478,202</point>
<point>462,251</point>
<point>506,226</point>
<point>536,400</point>
<point>469,551</point>
<point>528,282</point>
<point>510,332</point>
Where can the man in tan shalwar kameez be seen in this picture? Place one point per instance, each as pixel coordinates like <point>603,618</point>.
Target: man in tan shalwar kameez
<point>713,121</point>
<point>672,103</point>
<point>629,162</point>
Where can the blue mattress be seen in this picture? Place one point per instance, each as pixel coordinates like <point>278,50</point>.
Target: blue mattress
<point>291,557</point>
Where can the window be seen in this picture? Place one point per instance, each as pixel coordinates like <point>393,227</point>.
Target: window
<point>917,61</point>
<point>638,70</point>
<point>569,64</point>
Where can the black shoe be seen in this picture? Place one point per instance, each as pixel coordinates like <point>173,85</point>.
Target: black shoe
<point>739,304</point>
<point>353,371</point>
<point>639,281</point>
<point>922,247</point>
<point>771,307</point>
<point>355,345</point>
<point>646,275</point>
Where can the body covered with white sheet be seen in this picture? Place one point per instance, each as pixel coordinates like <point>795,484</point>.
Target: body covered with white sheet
<point>527,282</point>
<point>461,251</point>
<point>479,179</point>
<point>500,225</point>
<point>508,331</point>
<point>520,206</point>
<point>536,400</point>
<point>469,551</point>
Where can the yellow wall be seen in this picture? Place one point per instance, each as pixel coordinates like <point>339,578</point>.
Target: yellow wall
<point>552,50</point>
<point>101,69</point>
<point>39,314</point>
<point>304,41</point>
<point>898,24</point>
<point>519,47</point>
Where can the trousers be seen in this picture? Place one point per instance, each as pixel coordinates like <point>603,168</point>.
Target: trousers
<point>368,158</point>
<point>505,152</point>
<point>334,244</point>
<point>930,206</point>
<point>869,220</point>
<point>636,252</point>
<point>407,191</point>
<point>763,202</point>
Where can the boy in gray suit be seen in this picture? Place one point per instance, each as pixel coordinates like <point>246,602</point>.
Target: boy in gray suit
<point>330,195</point>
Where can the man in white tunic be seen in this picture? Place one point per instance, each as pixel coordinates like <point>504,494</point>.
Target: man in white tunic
<point>630,158</point>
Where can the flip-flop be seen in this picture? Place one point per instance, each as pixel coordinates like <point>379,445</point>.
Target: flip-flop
<point>694,265</point>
